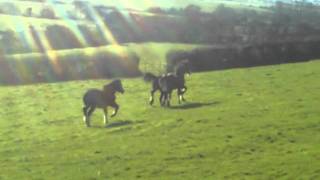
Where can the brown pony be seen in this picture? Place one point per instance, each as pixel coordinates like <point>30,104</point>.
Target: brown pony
<point>95,98</point>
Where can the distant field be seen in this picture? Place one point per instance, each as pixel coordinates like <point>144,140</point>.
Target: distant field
<point>16,22</point>
<point>19,23</point>
<point>206,5</point>
<point>252,123</point>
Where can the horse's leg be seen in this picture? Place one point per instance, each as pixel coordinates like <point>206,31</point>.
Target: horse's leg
<point>116,108</point>
<point>151,99</point>
<point>168,98</point>
<point>91,110</point>
<point>184,91</point>
<point>154,89</point>
<point>162,98</point>
<point>179,93</point>
<point>85,113</point>
<point>105,116</point>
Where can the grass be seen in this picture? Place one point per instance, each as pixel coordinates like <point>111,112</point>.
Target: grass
<point>253,123</point>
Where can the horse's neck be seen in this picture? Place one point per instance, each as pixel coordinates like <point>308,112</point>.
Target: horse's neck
<point>180,75</point>
<point>109,91</point>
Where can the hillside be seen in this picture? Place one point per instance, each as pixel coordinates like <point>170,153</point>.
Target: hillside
<point>255,123</point>
<point>55,25</point>
<point>37,27</point>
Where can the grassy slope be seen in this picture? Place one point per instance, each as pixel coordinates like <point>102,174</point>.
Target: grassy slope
<point>259,123</point>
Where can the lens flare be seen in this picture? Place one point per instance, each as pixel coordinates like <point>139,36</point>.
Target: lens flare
<point>31,32</point>
<point>73,25</point>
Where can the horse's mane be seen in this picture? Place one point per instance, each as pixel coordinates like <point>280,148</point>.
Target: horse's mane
<point>109,88</point>
<point>181,65</point>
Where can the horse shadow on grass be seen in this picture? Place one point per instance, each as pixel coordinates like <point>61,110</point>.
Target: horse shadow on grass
<point>120,123</point>
<point>193,105</point>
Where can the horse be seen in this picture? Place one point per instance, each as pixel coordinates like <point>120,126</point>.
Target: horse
<point>181,67</point>
<point>95,98</point>
<point>172,81</point>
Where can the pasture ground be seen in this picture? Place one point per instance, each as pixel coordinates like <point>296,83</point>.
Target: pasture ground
<point>251,123</point>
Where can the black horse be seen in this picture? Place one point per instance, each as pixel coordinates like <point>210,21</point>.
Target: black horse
<point>172,81</point>
<point>95,98</point>
<point>178,76</point>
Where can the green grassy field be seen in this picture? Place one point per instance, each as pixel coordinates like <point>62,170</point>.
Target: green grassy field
<point>254,123</point>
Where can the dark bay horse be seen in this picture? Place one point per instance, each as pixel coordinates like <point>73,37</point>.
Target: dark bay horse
<point>95,98</point>
<point>180,70</point>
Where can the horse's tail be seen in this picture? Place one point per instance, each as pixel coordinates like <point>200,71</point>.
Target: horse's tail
<point>148,77</point>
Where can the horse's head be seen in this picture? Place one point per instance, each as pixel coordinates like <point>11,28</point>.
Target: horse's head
<point>117,85</point>
<point>114,86</point>
<point>183,67</point>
